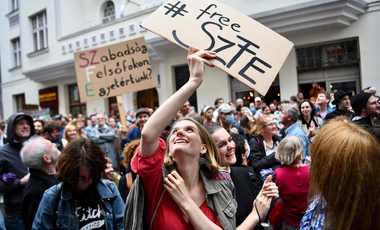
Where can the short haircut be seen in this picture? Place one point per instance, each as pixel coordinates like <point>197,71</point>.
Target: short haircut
<point>239,107</point>
<point>92,115</point>
<point>291,110</point>
<point>239,148</point>
<point>293,98</point>
<point>284,102</point>
<point>41,121</point>
<point>32,152</point>
<point>81,151</point>
<point>51,126</point>
<point>325,93</point>
<point>217,100</point>
<point>299,93</point>
<point>196,117</point>
<point>289,150</point>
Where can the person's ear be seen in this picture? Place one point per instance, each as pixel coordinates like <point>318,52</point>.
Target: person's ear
<point>204,149</point>
<point>46,159</point>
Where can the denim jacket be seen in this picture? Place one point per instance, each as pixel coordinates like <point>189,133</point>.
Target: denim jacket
<point>220,194</point>
<point>111,203</point>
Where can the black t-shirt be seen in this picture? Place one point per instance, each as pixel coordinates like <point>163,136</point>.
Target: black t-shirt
<point>89,211</point>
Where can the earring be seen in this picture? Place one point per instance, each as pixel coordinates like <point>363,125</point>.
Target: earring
<point>201,160</point>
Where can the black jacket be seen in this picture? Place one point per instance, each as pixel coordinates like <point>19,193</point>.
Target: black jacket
<point>10,162</point>
<point>339,112</point>
<point>257,156</point>
<point>38,182</point>
<point>363,121</point>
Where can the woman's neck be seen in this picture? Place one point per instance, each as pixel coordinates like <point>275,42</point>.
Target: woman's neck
<point>297,163</point>
<point>307,118</point>
<point>268,139</point>
<point>227,168</point>
<point>189,174</point>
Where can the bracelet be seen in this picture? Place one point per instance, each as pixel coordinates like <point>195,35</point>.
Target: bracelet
<point>258,213</point>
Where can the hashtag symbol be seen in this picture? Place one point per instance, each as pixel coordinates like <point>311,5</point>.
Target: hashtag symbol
<point>175,9</point>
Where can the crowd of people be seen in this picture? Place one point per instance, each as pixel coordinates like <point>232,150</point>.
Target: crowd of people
<point>297,164</point>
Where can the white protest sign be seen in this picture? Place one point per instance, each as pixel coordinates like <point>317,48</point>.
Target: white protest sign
<point>247,50</point>
<point>113,70</point>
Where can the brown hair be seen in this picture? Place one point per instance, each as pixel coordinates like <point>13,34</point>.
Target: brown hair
<point>260,123</point>
<point>344,171</point>
<point>81,151</point>
<point>212,156</point>
<point>129,151</point>
<point>67,129</point>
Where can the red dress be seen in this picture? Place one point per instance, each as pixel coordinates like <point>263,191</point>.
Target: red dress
<point>169,215</point>
<point>293,185</point>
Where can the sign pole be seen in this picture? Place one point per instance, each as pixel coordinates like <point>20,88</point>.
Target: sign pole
<point>123,118</point>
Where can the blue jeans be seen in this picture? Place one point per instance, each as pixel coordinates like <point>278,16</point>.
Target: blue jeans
<point>12,222</point>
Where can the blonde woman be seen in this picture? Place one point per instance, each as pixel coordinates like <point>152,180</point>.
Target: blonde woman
<point>70,134</point>
<point>292,181</point>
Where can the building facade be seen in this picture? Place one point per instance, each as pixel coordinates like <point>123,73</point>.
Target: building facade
<point>335,44</point>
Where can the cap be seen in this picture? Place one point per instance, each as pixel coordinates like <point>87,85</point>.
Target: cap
<point>314,82</point>
<point>372,88</point>
<point>225,108</point>
<point>207,108</point>
<point>56,117</point>
<point>338,96</point>
<point>142,110</point>
<point>257,99</point>
<point>359,101</point>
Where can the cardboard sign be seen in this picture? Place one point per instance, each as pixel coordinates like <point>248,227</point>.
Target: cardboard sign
<point>245,49</point>
<point>113,70</point>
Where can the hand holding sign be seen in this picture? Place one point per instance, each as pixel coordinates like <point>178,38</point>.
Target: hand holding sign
<point>245,49</point>
<point>196,59</point>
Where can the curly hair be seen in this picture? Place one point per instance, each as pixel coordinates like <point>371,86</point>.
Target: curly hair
<point>81,151</point>
<point>129,151</point>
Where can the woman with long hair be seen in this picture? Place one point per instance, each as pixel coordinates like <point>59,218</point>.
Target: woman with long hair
<point>344,179</point>
<point>307,121</point>
<point>183,185</point>
<point>79,124</point>
<point>82,200</point>
<point>263,145</point>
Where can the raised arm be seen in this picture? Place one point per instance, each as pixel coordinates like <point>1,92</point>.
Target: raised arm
<point>158,121</point>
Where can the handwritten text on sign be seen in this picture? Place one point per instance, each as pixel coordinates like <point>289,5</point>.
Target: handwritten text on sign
<point>246,49</point>
<point>113,70</point>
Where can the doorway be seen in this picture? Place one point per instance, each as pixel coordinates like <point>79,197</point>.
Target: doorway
<point>147,98</point>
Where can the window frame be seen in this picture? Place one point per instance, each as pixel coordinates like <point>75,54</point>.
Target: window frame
<point>36,45</point>
<point>109,18</point>
<point>16,53</point>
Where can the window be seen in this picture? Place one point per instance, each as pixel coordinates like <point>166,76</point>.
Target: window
<point>182,74</point>
<point>109,12</point>
<point>76,107</point>
<point>14,5</point>
<point>16,60</point>
<point>39,31</point>
<point>20,102</point>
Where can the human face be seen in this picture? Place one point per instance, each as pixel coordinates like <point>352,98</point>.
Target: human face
<point>209,114</point>
<point>372,107</point>
<point>269,129</point>
<point>266,111</point>
<point>52,150</point>
<point>93,120</point>
<point>185,138</point>
<point>306,109</point>
<point>186,108</point>
<point>300,97</point>
<point>141,119</point>
<point>220,102</point>
<point>321,99</point>
<point>55,133</point>
<point>239,102</point>
<point>84,178</point>
<point>38,127</point>
<point>22,129</point>
<point>71,134</point>
<point>109,171</point>
<point>344,103</point>
<point>272,107</point>
<point>283,117</point>
<point>101,119</point>
<point>257,104</point>
<point>112,122</point>
<point>226,147</point>
<point>79,124</point>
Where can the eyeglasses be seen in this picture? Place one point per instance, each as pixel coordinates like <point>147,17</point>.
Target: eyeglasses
<point>269,125</point>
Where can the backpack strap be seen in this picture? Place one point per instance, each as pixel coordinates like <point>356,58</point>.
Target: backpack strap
<point>155,211</point>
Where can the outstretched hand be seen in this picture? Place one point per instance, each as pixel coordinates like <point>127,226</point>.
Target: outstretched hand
<point>196,60</point>
<point>270,189</point>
